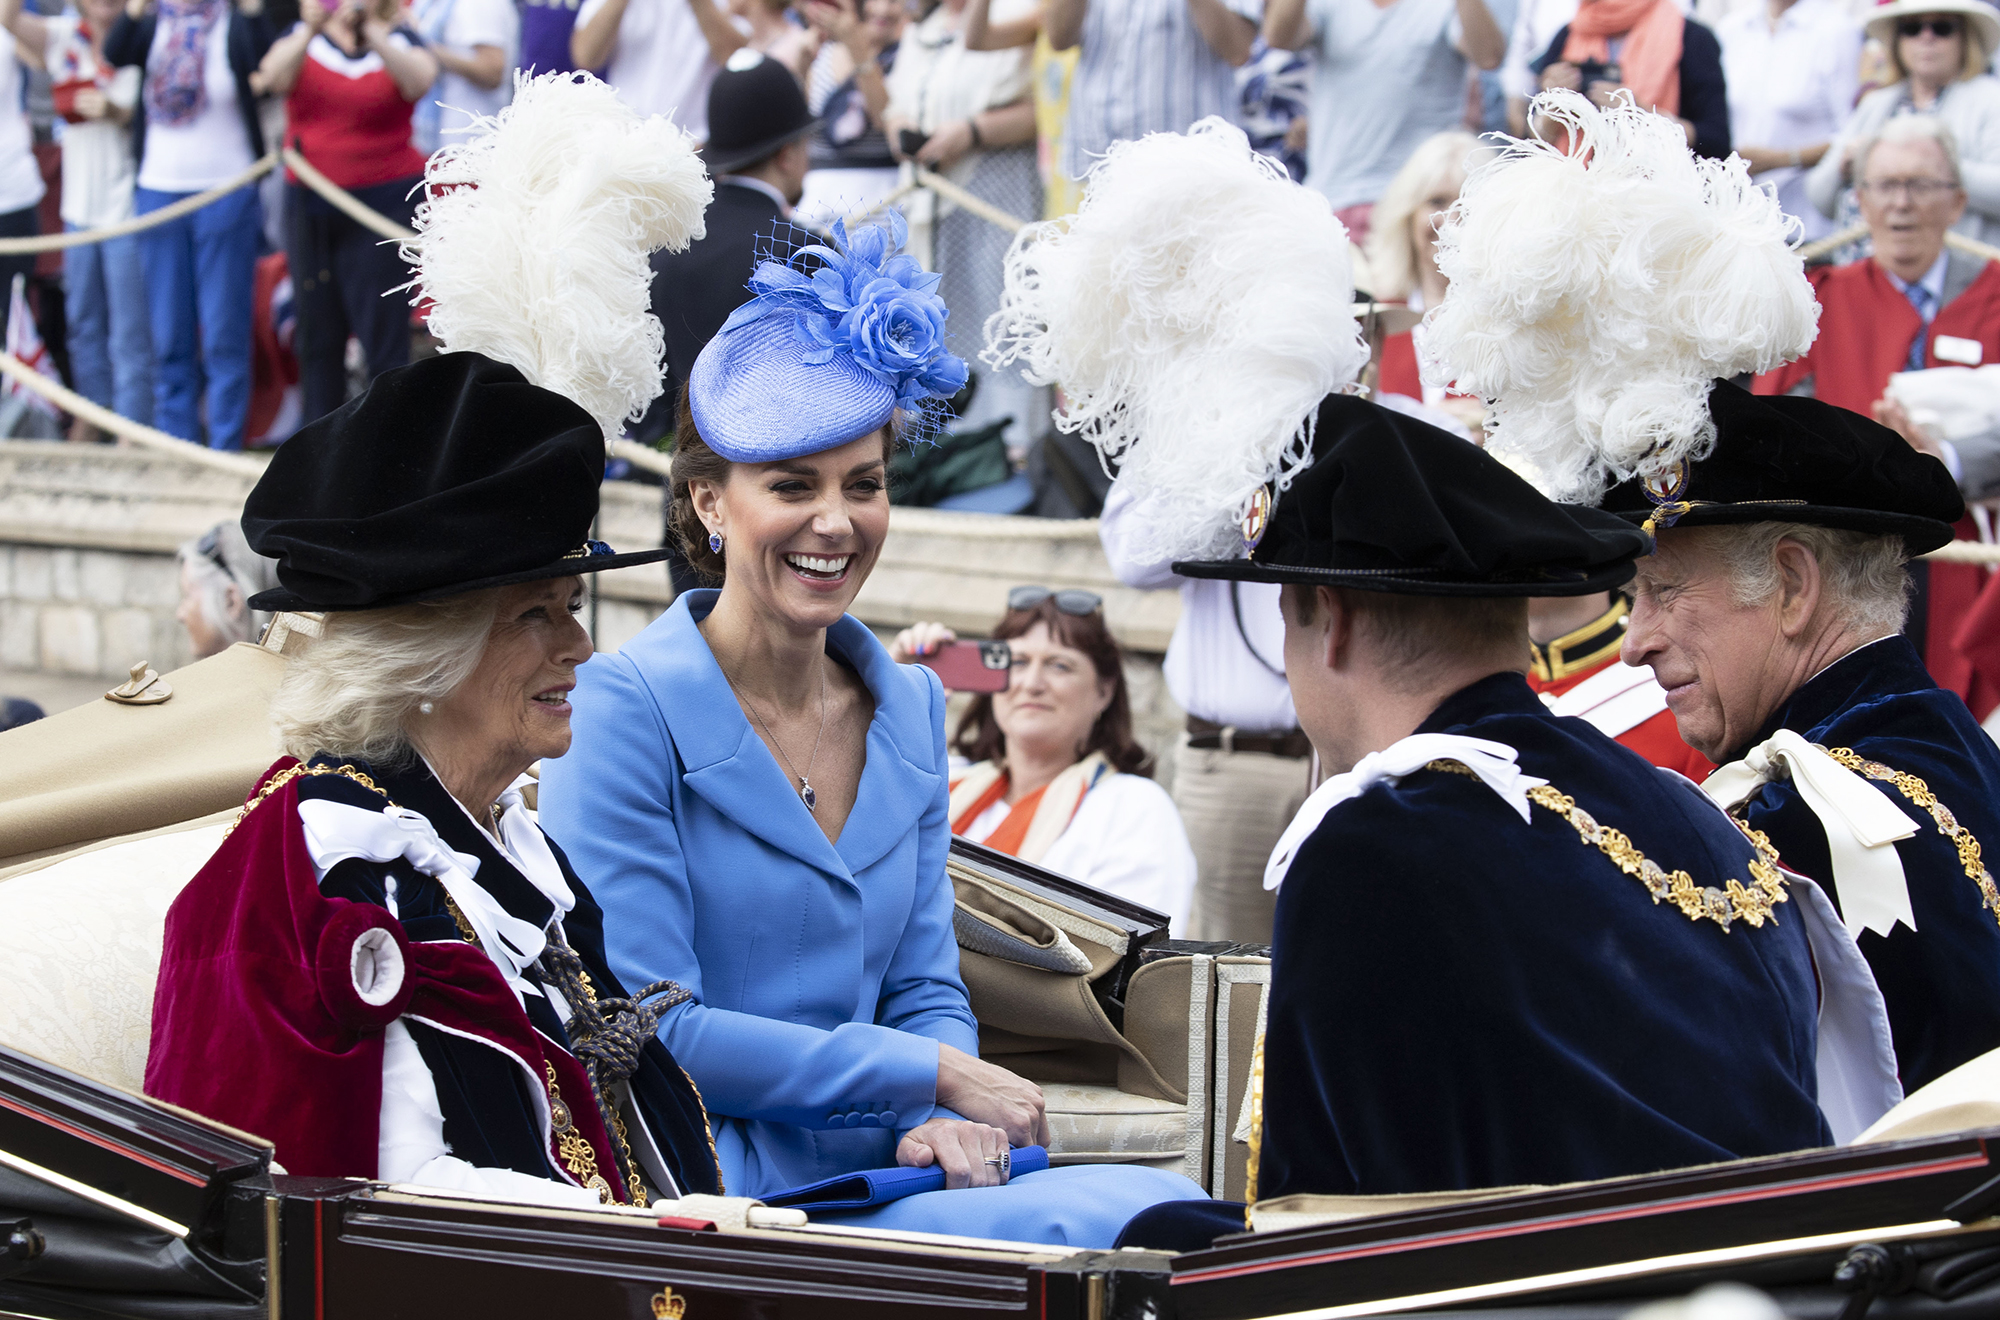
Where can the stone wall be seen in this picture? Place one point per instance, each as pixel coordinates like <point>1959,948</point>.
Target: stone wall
<point>88,583</point>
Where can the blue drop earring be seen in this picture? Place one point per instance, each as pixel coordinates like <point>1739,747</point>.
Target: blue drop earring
<point>715,543</point>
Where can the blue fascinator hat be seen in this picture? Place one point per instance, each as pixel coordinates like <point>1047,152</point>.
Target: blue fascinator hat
<point>838,340</point>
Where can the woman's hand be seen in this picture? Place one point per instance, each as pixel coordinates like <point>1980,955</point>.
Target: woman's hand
<point>841,20</point>
<point>919,639</point>
<point>947,144</point>
<point>314,15</point>
<point>1562,75</point>
<point>1602,92</point>
<point>960,1148</point>
<point>91,103</point>
<point>987,1094</point>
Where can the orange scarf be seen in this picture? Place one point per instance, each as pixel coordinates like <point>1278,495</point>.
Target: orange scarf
<point>1651,58</point>
<point>1034,823</point>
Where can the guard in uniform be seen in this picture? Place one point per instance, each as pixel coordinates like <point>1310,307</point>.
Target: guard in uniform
<point>1861,715</point>
<point>1578,672</point>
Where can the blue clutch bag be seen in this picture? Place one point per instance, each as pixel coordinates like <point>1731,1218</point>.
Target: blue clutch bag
<point>858,1191</point>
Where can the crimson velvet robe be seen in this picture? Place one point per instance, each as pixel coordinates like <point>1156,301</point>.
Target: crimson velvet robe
<point>1865,329</point>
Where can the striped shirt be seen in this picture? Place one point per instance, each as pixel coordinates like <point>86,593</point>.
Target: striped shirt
<point>1144,69</point>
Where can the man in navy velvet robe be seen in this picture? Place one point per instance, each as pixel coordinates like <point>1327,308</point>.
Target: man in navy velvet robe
<point>1779,644</point>
<point>1508,950</point>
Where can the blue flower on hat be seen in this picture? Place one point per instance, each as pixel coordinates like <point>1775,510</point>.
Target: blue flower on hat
<point>869,302</point>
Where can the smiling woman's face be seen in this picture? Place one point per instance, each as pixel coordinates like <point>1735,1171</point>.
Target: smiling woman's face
<point>1053,696</point>
<point>801,535</point>
<point>514,707</point>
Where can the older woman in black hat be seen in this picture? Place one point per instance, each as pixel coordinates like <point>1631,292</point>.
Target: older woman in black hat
<point>387,969</point>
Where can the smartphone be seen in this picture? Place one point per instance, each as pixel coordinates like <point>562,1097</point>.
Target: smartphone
<point>971,666</point>
<point>911,141</point>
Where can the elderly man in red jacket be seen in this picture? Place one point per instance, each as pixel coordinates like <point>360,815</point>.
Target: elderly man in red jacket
<point>1913,305</point>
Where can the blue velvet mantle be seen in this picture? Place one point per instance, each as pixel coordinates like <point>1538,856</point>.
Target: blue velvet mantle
<point>1941,982</point>
<point>1460,999</point>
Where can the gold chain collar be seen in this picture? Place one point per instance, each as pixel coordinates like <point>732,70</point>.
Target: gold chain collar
<point>291,772</point>
<point>1753,904</point>
<point>1919,793</point>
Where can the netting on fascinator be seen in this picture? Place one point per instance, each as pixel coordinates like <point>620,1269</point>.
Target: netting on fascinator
<point>843,336</point>
<point>1601,281</point>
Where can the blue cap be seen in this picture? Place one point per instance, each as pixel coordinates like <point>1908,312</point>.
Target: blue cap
<point>837,341</point>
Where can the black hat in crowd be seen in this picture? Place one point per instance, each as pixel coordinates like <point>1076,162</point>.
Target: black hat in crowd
<point>1396,505</point>
<point>1784,459</point>
<point>448,475</point>
<point>755,106</point>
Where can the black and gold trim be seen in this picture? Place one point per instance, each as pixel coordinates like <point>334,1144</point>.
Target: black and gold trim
<point>1584,649</point>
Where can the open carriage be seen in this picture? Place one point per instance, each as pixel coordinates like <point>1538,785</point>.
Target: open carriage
<point>112,1204</point>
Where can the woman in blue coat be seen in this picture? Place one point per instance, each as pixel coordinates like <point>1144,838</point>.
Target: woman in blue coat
<point>759,792</point>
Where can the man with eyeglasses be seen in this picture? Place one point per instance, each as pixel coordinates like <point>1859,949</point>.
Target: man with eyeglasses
<point>1915,304</point>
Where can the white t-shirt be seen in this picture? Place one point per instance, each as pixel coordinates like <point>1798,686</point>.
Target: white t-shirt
<point>97,165</point>
<point>212,147</point>
<point>466,24</point>
<point>20,177</point>
<point>659,62</point>
<point>1126,839</point>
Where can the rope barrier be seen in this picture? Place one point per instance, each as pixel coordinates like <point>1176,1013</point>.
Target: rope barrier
<point>882,205</point>
<point>979,206</point>
<point>1834,242</point>
<point>1966,552</point>
<point>642,456</point>
<point>237,465</point>
<point>139,223</point>
<point>355,209</point>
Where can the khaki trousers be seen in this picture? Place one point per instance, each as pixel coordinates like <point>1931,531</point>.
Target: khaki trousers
<point>1234,805</point>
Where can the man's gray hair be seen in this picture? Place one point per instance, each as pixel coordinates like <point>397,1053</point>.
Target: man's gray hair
<point>1912,128</point>
<point>354,689</point>
<point>1861,573</point>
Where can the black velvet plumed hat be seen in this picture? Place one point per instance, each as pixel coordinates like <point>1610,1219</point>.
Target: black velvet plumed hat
<point>1783,459</point>
<point>449,475</point>
<point>1396,505</point>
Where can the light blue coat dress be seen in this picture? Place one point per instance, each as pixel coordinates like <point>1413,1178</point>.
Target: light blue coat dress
<point>824,974</point>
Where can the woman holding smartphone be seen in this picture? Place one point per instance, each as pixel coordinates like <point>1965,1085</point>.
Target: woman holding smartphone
<point>763,790</point>
<point>1047,767</point>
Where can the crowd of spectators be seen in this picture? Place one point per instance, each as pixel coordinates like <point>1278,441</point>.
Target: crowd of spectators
<point>1371,102</point>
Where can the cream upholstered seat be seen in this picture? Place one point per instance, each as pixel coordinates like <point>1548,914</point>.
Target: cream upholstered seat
<point>80,940</point>
<point>1095,1124</point>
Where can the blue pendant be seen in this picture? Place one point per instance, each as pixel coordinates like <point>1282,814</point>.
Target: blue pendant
<point>806,795</point>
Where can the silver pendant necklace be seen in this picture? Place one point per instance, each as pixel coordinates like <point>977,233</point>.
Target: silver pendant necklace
<point>806,794</point>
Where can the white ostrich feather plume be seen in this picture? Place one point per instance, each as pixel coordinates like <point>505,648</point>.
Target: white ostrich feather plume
<point>1597,293</point>
<point>533,241</point>
<point>1195,310</point>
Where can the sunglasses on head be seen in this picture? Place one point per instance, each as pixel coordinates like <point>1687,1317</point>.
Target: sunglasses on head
<point>209,547</point>
<point>1935,25</point>
<point>1070,601</point>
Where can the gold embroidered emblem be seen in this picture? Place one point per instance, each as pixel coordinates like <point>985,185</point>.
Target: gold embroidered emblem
<point>1753,904</point>
<point>1919,793</point>
<point>666,1306</point>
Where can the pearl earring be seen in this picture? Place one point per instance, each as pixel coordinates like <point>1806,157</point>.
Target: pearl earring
<point>426,707</point>
<point>715,542</point>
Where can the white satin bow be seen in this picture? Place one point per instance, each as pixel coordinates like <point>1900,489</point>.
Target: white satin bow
<point>1862,825</point>
<point>1492,762</point>
<point>335,831</point>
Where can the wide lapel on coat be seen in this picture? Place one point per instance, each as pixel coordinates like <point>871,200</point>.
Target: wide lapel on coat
<point>901,779</point>
<point>722,758</point>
